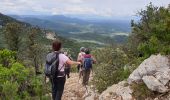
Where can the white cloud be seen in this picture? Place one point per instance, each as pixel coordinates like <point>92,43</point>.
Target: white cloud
<point>106,8</point>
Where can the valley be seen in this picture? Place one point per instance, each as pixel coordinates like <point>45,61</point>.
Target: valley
<point>96,31</point>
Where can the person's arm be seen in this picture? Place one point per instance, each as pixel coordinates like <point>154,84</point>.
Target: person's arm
<point>72,62</point>
<point>94,60</point>
<point>78,57</point>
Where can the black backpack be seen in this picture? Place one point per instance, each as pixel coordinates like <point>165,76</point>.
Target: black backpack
<point>51,68</point>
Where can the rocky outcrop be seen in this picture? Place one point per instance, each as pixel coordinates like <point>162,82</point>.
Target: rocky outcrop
<point>117,92</point>
<point>50,36</point>
<point>154,72</point>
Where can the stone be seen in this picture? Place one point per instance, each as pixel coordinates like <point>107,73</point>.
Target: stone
<point>163,77</point>
<point>117,89</point>
<point>156,68</point>
<point>154,85</point>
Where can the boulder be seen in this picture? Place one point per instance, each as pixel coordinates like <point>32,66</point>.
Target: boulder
<point>117,92</point>
<point>154,72</point>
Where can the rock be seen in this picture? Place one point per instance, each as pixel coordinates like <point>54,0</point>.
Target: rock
<point>154,85</point>
<point>163,77</point>
<point>117,91</point>
<point>158,67</point>
<point>91,95</point>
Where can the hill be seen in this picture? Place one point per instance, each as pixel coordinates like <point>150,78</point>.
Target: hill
<point>79,29</point>
<point>72,46</point>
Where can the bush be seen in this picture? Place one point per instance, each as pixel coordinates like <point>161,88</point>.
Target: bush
<point>109,69</point>
<point>151,34</point>
<point>10,90</point>
<point>73,69</point>
<point>17,81</point>
<point>7,57</point>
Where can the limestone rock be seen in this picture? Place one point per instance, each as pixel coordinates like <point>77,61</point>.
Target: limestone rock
<point>153,84</point>
<point>156,68</point>
<point>117,92</point>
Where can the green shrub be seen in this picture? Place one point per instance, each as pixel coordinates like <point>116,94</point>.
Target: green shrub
<point>105,76</point>
<point>19,82</point>
<point>109,69</point>
<point>151,34</point>
<point>7,57</point>
<point>74,69</point>
<point>10,90</point>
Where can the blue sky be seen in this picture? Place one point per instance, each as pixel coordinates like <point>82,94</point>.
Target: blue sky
<point>105,8</point>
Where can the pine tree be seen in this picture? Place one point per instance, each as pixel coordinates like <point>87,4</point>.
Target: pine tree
<point>34,48</point>
<point>12,34</point>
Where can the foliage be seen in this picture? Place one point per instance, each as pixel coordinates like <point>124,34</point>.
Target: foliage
<point>151,34</point>
<point>35,49</point>
<point>18,81</point>
<point>73,69</point>
<point>110,67</point>
<point>7,57</point>
<point>12,35</point>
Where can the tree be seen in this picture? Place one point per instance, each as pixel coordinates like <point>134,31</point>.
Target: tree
<point>152,33</point>
<point>35,49</point>
<point>12,34</point>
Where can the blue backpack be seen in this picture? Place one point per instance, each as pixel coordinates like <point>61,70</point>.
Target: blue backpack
<point>87,63</point>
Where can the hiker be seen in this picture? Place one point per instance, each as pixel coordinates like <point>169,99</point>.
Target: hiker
<point>58,75</point>
<point>88,60</point>
<point>67,66</point>
<point>79,59</point>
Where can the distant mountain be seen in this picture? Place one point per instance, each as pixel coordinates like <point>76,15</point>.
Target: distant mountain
<point>44,37</point>
<point>4,19</point>
<point>95,30</point>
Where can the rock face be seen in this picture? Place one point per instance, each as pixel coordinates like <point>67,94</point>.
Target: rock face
<point>154,72</point>
<point>117,92</point>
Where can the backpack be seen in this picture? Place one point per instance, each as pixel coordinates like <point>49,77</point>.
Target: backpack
<point>87,62</point>
<point>51,68</point>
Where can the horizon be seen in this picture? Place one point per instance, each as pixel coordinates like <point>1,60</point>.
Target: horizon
<point>108,9</point>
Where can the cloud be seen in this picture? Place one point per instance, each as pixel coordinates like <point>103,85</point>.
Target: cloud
<point>107,8</point>
<point>74,10</point>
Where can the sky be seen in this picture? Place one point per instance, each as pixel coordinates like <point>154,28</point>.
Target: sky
<point>105,8</point>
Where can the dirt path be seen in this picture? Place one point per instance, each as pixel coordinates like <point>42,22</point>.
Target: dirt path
<point>73,89</point>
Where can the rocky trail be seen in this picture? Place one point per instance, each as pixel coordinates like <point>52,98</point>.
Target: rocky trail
<point>75,91</point>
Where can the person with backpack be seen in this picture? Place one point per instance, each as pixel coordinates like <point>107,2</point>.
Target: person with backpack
<point>54,69</point>
<point>88,60</point>
<point>79,59</point>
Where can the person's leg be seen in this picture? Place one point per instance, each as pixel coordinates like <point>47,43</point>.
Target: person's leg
<point>78,68</point>
<point>69,72</point>
<point>60,87</point>
<point>80,72</point>
<point>84,77</point>
<point>54,88</point>
<point>87,76</point>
